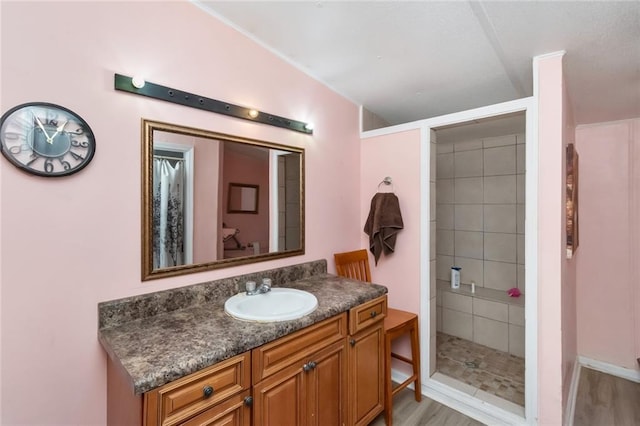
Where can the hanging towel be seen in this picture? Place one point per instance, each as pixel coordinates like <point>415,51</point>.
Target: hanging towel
<point>383,224</point>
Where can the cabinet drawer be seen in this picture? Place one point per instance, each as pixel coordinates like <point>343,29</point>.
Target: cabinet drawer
<point>273,357</point>
<point>186,397</point>
<point>362,316</point>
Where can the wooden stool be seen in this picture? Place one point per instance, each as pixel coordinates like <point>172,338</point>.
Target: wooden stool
<point>397,323</point>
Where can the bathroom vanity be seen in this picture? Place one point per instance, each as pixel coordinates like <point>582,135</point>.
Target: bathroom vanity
<point>176,357</point>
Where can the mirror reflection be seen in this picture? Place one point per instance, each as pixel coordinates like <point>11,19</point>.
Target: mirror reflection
<point>212,200</point>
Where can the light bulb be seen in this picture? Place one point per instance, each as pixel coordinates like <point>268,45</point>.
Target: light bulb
<point>308,126</point>
<point>137,82</point>
<point>253,113</point>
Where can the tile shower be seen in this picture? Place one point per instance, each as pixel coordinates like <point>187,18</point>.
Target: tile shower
<point>479,210</point>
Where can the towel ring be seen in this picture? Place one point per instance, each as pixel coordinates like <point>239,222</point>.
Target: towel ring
<point>386,181</point>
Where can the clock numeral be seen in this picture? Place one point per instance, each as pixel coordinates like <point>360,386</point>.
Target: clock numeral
<point>34,158</point>
<point>79,144</point>
<point>52,117</point>
<point>48,165</point>
<point>76,156</point>
<point>65,164</point>
<point>17,149</point>
<point>13,136</point>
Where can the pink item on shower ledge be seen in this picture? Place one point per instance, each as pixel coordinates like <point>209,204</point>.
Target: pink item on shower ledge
<point>514,292</point>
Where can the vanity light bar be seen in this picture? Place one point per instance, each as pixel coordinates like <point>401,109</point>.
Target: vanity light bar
<point>156,91</point>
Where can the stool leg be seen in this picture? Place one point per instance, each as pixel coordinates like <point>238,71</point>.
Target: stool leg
<point>415,357</point>
<point>388,385</point>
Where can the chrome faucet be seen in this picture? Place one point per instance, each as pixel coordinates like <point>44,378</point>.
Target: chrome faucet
<point>264,287</point>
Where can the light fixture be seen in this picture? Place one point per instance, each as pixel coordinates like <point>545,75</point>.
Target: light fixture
<point>137,82</point>
<point>138,86</point>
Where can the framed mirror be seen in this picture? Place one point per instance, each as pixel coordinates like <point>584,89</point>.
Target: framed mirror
<point>243,198</point>
<point>195,182</point>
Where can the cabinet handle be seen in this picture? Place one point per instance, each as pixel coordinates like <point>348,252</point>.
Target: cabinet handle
<point>207,391</point>
<point>309,366</point>
<point>352,342</point>
<point>248,401</point>
<point>373,314</point>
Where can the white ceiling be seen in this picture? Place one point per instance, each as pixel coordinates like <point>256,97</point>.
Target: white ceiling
<point>409,60</point>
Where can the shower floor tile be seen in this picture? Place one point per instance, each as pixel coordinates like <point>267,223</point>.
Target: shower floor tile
<point>487,369</point>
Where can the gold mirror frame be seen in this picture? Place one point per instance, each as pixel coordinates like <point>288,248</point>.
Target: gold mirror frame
<point>148,271</point>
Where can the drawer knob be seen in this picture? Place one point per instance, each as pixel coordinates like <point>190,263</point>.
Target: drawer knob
<point>309,366</point>
<point>352,342</point>
<point>248,401</point>
<point>373,314</point>
<point>207,391</point>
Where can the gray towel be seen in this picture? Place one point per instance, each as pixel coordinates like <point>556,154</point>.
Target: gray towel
<point>383,224</point>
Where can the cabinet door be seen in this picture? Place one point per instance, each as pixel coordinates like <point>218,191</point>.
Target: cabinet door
<point>280,400</point>
<point>366,375</point>
<point>327,386</point>
<point>232,412</point>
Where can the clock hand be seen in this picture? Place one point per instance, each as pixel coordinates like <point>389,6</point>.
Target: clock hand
<point>49,140</point>
<point>58,130</point>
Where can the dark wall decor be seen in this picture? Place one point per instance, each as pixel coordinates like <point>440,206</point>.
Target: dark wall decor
<point>572,201</point>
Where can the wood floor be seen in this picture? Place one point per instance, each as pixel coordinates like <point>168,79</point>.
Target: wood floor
<point>408,412</point>
<point>604,400</point>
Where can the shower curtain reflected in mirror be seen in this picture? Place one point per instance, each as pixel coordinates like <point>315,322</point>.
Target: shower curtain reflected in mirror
<point>168,213</point>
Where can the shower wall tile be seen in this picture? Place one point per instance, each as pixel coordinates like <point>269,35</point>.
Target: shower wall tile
<point>500,189</point>
<point>472,270</point>
<point>500,247</point>
<point>500,161</point>
<point>500,218</point>
<point>468,217</point>
<point>516,315</point>
<point>467,145</point>
<point>433,241</point>
<point>520,158</point>
<point>443,267</point>
<point>489,309</point>
<point>433,156</point>
<point>520,215</point>
<point>444,191</point>
<point>438,318</point>
<point>444,216</point>
<point>499,141</point>
<point>457,324</point>
<point>433,194</point>
<point>521,248</point>
<point>468,244</point>
<point>516,340</point>
<point>520,138</point>
<point>521,278</point>
<point>499,275</point>
<point>468,163</point>
<point>432,279</point>
<point>520,189</point>
<point>469,190</point>
<point>444,166</point>
<point>444,147</point>
<point>494,334</point>
<point>457,302</point>
<point>433,317</point>
<point>444,242</point>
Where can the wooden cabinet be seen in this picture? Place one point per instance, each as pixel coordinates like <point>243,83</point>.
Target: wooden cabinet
<point>301,379</point>
<point>330,373</point>
<point>366,361</point>
<point>212,396</point>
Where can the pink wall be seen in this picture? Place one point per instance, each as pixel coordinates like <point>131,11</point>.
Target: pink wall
<point>556,280</point>
<point>397,156</point>
<point>69,243</point>
<point>247,169</point>
<point>607,269</point>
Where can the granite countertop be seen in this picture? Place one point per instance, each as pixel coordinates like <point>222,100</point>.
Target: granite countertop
<point>156,350</point>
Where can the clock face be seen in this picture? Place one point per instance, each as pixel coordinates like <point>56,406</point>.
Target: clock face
<point>46,139</point>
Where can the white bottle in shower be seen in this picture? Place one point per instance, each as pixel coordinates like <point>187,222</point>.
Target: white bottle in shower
<point>455,276</point>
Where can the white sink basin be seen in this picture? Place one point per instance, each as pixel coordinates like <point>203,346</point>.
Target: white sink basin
<point>279,304</point>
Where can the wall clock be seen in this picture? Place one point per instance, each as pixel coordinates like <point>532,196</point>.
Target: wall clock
<point>46,139</point>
